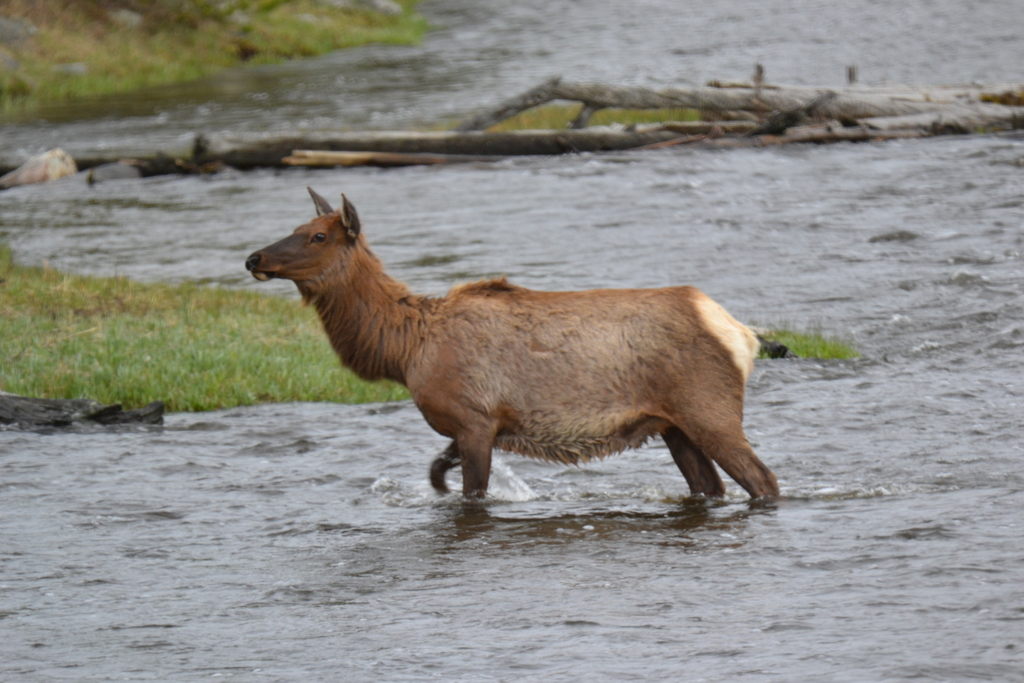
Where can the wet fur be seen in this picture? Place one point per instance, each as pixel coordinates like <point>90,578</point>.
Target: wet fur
<point>560,376</point>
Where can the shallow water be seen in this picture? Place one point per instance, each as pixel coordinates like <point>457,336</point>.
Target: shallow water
<point>303,542</point>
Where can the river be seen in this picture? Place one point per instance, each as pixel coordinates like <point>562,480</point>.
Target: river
<point>303,542</point>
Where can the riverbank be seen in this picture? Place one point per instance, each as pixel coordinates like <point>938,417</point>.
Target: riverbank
<point>194,347</point>
<point>52,51</point>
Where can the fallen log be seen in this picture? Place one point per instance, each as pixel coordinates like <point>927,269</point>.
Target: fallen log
<point>308,157</point>
<point>838,133</point>
<point>147,165</point>
<point>809,134</point>
<point>852,102</point>
<point>780,121</point>
<point>963,119</point>
<point>700,127</point>
<point>25,411</point>
<point>249,150</point>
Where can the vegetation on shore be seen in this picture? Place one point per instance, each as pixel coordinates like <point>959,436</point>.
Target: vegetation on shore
<point>194,347</point>
<point>95,47</point>
<point>811,344</point>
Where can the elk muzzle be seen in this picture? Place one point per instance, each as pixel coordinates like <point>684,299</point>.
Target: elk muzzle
<point>252,264</point>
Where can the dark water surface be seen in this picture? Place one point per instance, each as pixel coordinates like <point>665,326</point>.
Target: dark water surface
<point>303,542</point>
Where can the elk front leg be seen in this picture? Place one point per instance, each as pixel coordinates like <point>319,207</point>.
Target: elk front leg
<point>475,457</point>
<point>444,462</point>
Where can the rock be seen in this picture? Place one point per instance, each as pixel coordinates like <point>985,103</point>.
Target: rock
<point>72,68</point>
<point>126,18</point>
<point>119,170</point>
<point>239,18</point>
<point>24,411</point>
<point>15,30</point>
<point>46,166</point>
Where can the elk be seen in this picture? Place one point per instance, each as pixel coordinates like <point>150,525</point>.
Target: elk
<point>565,377</point>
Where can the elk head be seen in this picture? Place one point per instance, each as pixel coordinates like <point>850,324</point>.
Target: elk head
<point>314,252</point>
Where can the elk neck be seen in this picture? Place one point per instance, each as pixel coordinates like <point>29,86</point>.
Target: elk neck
<point>374,322</point>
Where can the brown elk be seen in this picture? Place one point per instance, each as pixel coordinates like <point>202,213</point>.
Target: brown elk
<point>560,376</point>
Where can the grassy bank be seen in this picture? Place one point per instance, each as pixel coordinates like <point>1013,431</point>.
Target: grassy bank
<point>96,47</point>
<point>197,348</point>
<point>812,344</point>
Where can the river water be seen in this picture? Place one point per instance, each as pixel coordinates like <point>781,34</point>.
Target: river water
<point>303,542</point>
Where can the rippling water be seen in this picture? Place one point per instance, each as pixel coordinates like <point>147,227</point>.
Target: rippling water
<point>303,542</point>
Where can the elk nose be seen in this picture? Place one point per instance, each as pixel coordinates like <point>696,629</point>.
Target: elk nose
<point>252,262</point>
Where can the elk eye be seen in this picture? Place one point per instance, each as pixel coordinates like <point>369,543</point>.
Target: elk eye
<point>319,237</point>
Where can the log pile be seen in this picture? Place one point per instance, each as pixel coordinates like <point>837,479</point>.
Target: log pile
<point>733,115</point>
<point>738,115</point>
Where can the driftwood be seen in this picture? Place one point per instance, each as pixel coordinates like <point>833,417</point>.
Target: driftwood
<point>818,135</point>
<point>850,103</point>
<point>306,157</point>
<point>766,114</point>
<point>248,150</point>
<point>780,121</point>
<point>101,168</point>
<point>24,411</point>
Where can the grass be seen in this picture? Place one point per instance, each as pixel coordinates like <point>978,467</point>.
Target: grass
<point>557,116</point>
<point>194,347</point>
<point>177,40</point>
<point>813,344</point>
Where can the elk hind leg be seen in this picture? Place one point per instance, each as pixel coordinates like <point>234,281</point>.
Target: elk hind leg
<point>442,463</point>
<point>695,465</point>
<point>730,449</point>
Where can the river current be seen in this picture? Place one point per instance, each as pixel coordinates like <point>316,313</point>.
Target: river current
<point>302,541</point>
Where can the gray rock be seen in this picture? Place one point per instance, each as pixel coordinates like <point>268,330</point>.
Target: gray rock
<point>126,18</point>
<point>15,30</point>
<point>50,165</point>
<point>72,68</point>
<point>239,18</point>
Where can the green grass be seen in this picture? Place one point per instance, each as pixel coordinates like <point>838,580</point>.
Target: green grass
<point>177,41</point>
<point>813,344</point>
<point>194,347</point>
<point>557,116</point>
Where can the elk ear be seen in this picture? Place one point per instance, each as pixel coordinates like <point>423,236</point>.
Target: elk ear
<point>322,207</point>
<point>349,217</point>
